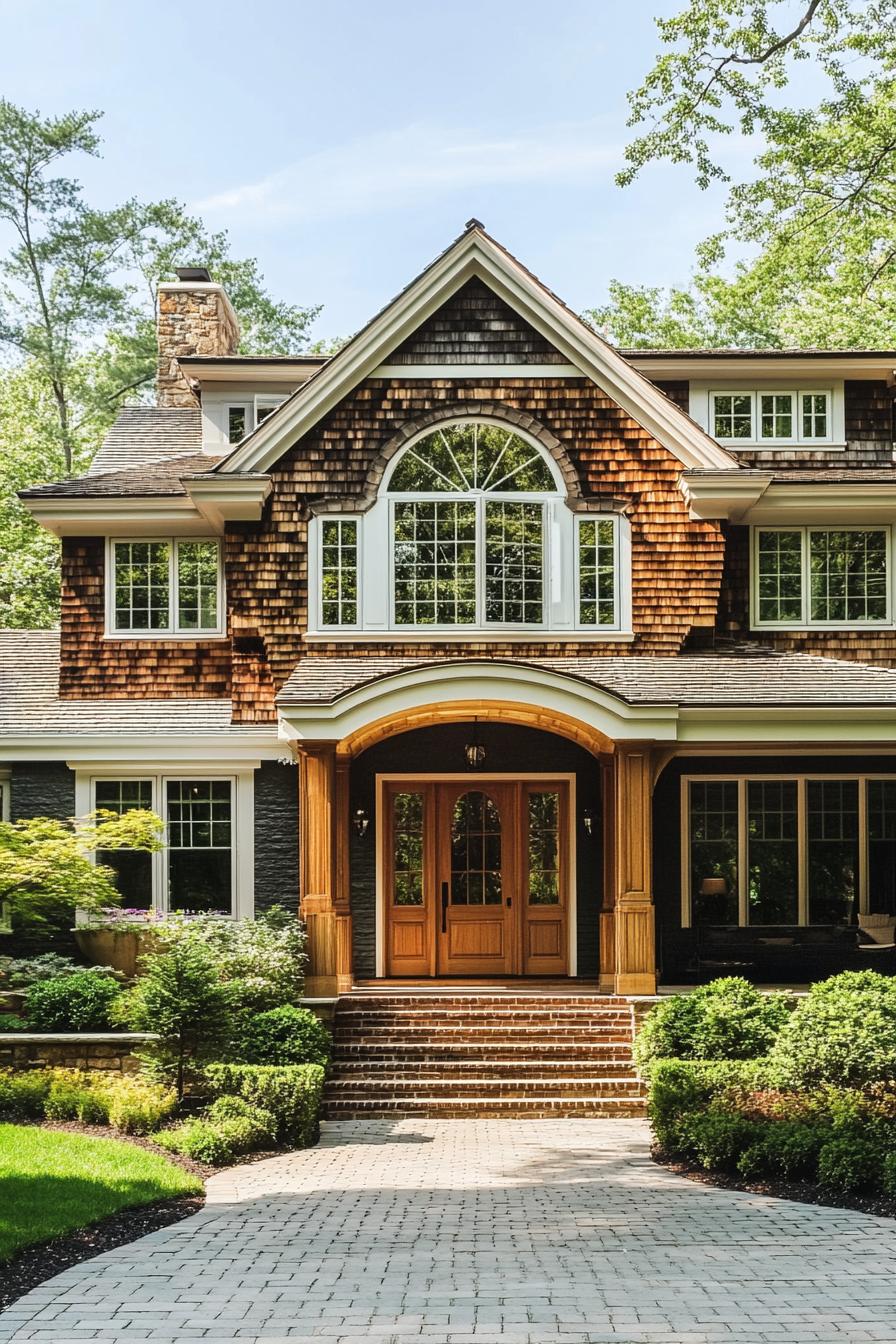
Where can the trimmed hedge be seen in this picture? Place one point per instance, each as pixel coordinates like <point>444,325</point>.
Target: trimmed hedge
<point>79,1001</point>
<point>681,1087</point>
<point>726,1019</point>
<point>290,1092</point>
<point>843,1032</point>
<point>229,1128</point>
<point>285,1035</point>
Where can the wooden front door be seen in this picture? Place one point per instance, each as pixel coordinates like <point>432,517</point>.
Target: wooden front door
<point>476,877</point>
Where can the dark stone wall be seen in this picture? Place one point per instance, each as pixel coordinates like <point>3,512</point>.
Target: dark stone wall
<point>276,836</point>
<point>676,946</point>
<point>41,789</point>
<point>510,750</point>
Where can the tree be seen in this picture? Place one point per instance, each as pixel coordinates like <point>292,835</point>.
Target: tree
<point>78,286</point>
<point>47,868</point>
<point>817,217</point>
<point>180,998</point>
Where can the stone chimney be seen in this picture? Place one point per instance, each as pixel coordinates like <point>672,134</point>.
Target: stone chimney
<point>195,317</point>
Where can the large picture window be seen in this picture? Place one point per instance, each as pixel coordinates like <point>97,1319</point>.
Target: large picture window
<point>787,851</point>
<point>821,576</point>
<point>478,534</point>
<point>164,587</point>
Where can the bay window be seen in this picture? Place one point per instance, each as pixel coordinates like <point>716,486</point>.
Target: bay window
<point>477,535</point>
<point>786,851</point>
<point>821,576</point>
<point>167,586</point>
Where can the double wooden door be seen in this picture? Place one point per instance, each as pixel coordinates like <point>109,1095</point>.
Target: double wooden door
<point>475,877</point>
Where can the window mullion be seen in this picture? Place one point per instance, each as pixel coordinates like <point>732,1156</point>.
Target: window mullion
<point>864,843</point>
<point>480,561</point>
<point>173,585</point>
<point>807,580</point>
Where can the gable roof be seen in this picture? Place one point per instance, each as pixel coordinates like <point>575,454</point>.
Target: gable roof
<point>476,254</point>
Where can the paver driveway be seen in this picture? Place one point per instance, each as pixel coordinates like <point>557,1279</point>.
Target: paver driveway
<point>475,1232</point>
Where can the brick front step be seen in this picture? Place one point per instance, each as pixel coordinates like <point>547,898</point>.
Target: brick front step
<point>484,1108</point>
<point>482,1054</point>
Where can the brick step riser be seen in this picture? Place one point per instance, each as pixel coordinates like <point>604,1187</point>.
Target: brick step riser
<point>521,1018</point>
<point>503,1071</point>
<point>485,1109</point>
<point>427,1079</point>
<point>482,1038</point>
<point>435,1089</point>
<point>470,1056</point>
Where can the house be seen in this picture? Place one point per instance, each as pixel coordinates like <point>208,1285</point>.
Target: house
<point>514,653</point>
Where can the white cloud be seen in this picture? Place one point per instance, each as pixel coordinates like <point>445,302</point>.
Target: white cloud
<point>390,170</point>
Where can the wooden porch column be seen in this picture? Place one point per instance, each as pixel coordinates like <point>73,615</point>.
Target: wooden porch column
<point>607,930</point>
<point>634,935</point>
<point>324,910</point>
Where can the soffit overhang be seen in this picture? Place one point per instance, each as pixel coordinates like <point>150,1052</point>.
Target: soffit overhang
<point>475,255</point>
<point>753,497</point>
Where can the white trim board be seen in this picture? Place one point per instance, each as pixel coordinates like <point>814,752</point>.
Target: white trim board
<point>565,776</point>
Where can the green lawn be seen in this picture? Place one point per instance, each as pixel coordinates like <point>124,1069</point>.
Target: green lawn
<point>54,1182</point>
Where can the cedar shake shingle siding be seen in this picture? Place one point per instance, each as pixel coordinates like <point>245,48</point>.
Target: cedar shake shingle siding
<point>676,561</point>
<point>476,327</point>
<point>92,665</point>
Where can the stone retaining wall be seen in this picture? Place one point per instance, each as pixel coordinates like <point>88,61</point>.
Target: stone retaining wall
<point>72,1050</point>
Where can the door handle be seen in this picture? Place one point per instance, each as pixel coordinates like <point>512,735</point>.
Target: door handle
<point>509,902</point>
<point>444,907</point>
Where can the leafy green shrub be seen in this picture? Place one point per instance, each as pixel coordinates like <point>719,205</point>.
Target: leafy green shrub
<point>198,1139</point>
<point>135,1105</point>
<point>847,1164</point>
<point>73,1097</point>
<point>23,972</point>
<point>726,1019</point>
<point>12,1022</point>
<point>681,1087</point>
<point>888,1175</point>
<point>234,1108</point>
<point>22,1095</point>
<point>286,1035</point>
<point>229,1127</point>
<point>77,1002</point>
<point>291,1093</point>
<point>717,1138</point>
<point>842,1032</point>
<point>787,1148</point>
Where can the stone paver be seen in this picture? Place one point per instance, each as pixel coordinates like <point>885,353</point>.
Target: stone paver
<point>475,1232</point>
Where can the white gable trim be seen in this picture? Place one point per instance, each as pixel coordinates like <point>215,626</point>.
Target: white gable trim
<point>475,254</point>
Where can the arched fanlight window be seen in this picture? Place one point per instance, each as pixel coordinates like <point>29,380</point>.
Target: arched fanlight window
<point>477,558</point>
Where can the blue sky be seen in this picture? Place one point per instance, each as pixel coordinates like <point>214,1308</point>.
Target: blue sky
<point>345,144</point>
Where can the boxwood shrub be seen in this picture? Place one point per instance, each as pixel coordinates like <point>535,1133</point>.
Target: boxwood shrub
<point>290,1092</point>
<point>286,1035</point>
<point>726,1019</point>
<point>80,1001</point>
<point>842,1032</point>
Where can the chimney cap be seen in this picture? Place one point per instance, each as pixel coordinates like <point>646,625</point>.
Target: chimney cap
<point>196,273</point>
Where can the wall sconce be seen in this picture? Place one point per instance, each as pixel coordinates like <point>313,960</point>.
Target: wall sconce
<point>361,822</point>
<point>588,820</point>
<point>475,754</point>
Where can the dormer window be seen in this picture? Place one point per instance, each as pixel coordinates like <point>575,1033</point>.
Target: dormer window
<point>471,532</point>
<point>761,418</point>
<point>245,416</point>
<point>169,586</point>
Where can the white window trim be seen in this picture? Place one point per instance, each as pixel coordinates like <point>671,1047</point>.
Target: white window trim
<point>171,630</point>
<point>801,781</point>
<point>376,617</point>
<point>805,623</point>
<point>5,793</point>
<point>702,409</point>
<point>242,831</point>
<point>248,407</point>
<point>316,550</point>
<point>267,401</point>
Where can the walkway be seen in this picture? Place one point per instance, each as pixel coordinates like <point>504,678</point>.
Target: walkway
<point>475,1232</point>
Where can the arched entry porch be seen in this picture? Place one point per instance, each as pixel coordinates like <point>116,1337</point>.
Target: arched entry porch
<point>385,719</point>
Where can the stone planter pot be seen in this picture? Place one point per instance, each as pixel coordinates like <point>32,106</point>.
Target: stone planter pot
<point>119,948</point>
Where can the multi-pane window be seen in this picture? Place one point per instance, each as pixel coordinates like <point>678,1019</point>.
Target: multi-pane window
<point>713,849</point>
<point>237,423</point>
<point>475,560</point>
<point>882,846</point>
<point>821,576</point>
<point>544,847</point>
<point>475,851</point>
<point>165,587</point>
<point>407,849</point>
<point>514,562</point>
<point>339,571</point>
<point>768,417</point>
<point>776,415</point>
<point>773,851</point>
<point>732,415</point>
<point>199,844</point>
<point>832,811</point>
<point>597,571</point>
<point>132,867</point>
<point>806,851</point>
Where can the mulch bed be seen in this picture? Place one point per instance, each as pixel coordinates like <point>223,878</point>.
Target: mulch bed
<point>803,1191</point>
